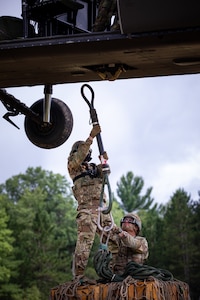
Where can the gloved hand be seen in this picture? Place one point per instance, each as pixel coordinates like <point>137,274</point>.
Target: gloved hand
<point>105,156</point>
<point>123,234</point>
<point>116,229</point>
<point>95,130</point>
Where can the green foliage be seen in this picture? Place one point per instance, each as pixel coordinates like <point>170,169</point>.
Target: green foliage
<point>129,190</point>
<point>179,248</point>
<point>152,228</point>
<point>42,216</point>
<point>177,220</point>
<point>38,232</point>
<point>172,230</point>
<point>6,247</point>
<point>117,212</point>
<point>195,228</point>
<point>8,262</point>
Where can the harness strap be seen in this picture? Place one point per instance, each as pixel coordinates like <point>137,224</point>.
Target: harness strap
<point>83,175</point>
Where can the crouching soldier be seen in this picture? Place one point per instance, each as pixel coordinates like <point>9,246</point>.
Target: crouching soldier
<point>126,245</point>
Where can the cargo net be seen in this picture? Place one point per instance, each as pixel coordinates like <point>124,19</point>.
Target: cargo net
<point>128,289</point>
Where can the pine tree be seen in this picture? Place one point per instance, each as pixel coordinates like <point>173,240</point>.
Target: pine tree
<point>152,229</point>
<point>129,190</point>
<point>195,230</point>
<point>177,237</point>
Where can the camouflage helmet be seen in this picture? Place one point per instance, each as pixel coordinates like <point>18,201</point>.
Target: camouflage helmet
<point>75,146</point>
<point>136,221</point>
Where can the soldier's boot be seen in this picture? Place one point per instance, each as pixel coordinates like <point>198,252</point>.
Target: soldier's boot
<point>76,271</point>
<point>79,274</point>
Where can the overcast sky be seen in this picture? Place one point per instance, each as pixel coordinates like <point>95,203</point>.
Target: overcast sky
<point>149,126</point>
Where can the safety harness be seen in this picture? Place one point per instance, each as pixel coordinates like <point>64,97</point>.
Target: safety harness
<point>82,175</point>
<point>92,173</point>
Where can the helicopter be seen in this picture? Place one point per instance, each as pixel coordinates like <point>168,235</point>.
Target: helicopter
<point>54,42</point>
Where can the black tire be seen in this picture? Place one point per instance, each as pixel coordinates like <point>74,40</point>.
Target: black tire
<point>55,134</point>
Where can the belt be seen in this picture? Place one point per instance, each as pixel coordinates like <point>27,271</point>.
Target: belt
<point>83,175</point>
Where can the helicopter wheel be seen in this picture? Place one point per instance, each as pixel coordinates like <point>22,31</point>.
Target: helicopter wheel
<point>55,133</point>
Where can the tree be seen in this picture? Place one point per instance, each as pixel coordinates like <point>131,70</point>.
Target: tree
<point>42,216</point>
<point>6,247</point>
<point>195,271</point>
<point>8,263</point>
<point>177,237</point>
<point>152,229</point>
<point>117,211</point>
<point>173,234</point>
<point>129,190</point>
<point>52,184</point>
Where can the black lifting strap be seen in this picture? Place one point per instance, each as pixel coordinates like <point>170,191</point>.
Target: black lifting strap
<point>92,173</point>
<point>81,175</point>
<point>95,121</point>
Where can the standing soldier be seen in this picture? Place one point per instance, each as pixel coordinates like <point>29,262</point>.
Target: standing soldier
<point>87,178</point>
<point>106,10</point>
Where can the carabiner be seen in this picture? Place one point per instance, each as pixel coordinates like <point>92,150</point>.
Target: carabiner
<point>105,228</point>
<point>106,210</point>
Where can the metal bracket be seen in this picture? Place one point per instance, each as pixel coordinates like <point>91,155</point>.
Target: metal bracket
<point>11,114</point>
<point>15,107</point>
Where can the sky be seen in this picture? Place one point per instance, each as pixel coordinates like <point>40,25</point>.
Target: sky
<point>150,126</point>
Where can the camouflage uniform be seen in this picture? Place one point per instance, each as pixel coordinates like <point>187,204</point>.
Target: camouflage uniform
<point>126,249</point>
<point>106,9</point>
<point>87,191</point>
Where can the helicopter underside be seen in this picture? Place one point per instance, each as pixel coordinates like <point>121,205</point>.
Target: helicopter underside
<point>70,41</point>
<point>98,56</point>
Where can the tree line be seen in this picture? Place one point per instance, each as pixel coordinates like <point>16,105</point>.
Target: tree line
<point>38,232</point>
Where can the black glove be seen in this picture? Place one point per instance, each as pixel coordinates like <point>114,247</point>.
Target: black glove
<point>105,156</point>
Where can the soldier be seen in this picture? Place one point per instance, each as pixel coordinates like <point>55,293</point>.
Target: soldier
<point>126,245</point>
<point>87,178</point>
<point>106,10</point>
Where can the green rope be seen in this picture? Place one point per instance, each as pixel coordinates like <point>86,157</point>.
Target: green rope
<point>137,271</point>
<point>101,263</point>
